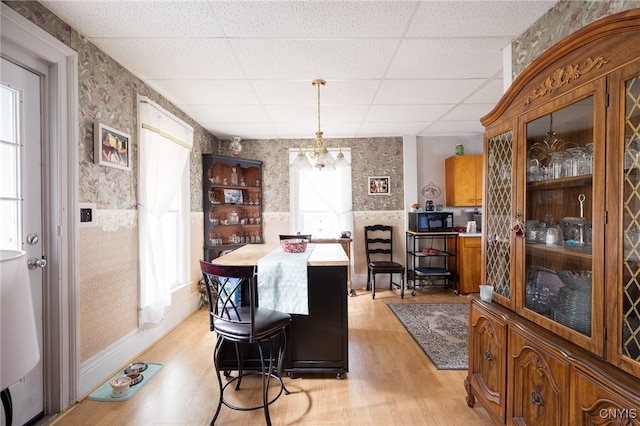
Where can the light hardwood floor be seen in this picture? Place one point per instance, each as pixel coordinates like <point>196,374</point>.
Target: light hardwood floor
<point>390,380</point>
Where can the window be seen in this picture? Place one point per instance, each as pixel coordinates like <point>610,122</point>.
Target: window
<point>163,208</point>
<point>10,160</point>
<point>321,199</point>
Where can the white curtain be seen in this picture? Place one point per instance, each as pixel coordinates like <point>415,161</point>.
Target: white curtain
<point>163,151</point>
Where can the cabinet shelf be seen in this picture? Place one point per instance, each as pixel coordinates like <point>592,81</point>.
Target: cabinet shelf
<point>564,250</point>
<point>440,254</point>
<point>217,186</point>
<point>566,182</point>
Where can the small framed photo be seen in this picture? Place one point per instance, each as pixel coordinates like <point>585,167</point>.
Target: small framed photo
<point>111,147</point>
<point>233,196</point>
<point>379,185</point>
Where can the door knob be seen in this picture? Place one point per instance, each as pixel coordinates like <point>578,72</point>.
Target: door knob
<point>34,263</point>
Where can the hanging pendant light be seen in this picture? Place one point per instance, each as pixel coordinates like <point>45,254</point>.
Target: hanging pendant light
<point>320,156</point>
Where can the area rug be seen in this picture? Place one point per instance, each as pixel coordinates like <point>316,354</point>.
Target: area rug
<point>440,329</point>
<point>103,393</point>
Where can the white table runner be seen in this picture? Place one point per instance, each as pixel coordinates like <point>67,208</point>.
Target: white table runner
<point>282,281</point>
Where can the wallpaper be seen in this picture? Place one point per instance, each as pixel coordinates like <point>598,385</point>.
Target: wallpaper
<point>563,19</point>
<point>370,157</point>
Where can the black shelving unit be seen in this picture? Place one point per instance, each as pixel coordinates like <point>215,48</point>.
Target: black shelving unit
<point>431,260</point>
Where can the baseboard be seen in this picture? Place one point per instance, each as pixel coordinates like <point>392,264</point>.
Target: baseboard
<point>105,364</point>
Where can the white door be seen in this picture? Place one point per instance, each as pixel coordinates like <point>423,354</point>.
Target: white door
<point>20,134</point>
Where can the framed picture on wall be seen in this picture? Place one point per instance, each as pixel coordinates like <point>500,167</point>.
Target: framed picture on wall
<point>111,147</point>
<point>379,185</point>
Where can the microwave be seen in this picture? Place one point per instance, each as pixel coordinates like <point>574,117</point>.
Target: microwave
<point>430,221</point>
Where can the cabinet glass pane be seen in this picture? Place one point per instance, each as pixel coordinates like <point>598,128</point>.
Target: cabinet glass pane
<point>559,196</point>
<point>631,224</point>
<point>498,213</point>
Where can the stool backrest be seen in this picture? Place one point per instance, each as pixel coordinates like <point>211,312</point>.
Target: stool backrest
<point>231,292</point>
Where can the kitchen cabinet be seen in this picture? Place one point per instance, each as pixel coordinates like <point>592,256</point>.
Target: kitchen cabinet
<point>232,203</point>
<point>562,222</point>
<point>463,180</point>
<point>469,263</point>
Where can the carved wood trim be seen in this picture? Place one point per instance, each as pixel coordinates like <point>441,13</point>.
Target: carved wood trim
<point>563,76</point>
<point>607,412</point>
<point>529,357</point>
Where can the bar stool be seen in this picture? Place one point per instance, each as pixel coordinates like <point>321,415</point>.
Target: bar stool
<point>237,319</point>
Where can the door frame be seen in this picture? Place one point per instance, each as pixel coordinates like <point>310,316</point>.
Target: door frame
<point>24,43</point>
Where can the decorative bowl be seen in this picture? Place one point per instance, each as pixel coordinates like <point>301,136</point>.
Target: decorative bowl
<point>294,245</point>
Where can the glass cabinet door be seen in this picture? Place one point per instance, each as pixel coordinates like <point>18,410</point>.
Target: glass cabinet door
<point>559,202</point>
<point>498,213</point>
<point>631,224</point>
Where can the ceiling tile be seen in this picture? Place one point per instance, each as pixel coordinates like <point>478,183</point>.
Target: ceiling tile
<point>402,113</point>
<point>435,58</point>
<point>173,58</point>
<point>308,59</point>
<point>421,92</point>
<point>120,19</point>
<point>206,92</point>
<point>476,18</point>
<point>314,19</point>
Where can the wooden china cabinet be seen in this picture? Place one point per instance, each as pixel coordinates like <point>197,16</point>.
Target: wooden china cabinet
<point>232,202</point>
<point>560,343</point>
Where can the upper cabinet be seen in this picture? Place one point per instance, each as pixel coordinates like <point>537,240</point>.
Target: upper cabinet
<point>463,179</point>
<point>562,185</point>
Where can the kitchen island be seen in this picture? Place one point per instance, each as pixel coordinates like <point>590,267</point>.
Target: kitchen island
<point>317,342</point>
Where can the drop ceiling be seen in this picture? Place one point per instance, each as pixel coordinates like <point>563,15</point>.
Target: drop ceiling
<point>244,68</point>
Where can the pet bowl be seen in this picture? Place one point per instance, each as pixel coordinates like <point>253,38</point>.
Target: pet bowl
<point>120,386</point>
<point>136,367</point>
<point>135,378</point>
<point>294,245</point>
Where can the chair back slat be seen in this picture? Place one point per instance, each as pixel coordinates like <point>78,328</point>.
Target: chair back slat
<point>378,242</point>
<point>231,293</point>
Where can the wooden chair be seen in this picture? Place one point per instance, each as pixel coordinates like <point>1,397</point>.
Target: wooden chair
<point>236,318</point>
<point>379,250</point>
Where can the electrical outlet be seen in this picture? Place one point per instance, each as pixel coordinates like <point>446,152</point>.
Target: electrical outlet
<point>87,214</point>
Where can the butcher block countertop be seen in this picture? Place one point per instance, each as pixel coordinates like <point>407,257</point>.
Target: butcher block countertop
<point>248,255</point>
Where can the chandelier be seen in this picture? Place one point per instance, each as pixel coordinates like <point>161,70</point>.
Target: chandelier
<point>320,155</point>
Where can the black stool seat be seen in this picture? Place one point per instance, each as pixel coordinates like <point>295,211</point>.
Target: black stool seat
<point>267,323</point>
